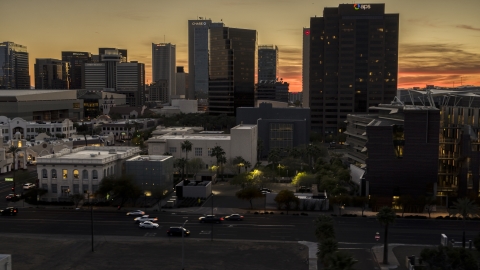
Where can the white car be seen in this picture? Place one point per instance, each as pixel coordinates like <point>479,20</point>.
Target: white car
<point>136,213</point>
<point>148,225</point>
<point>28,186</point>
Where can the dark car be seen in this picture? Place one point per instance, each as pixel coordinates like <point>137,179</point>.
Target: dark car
<point>12,197</point>
<point>9,211</point>
<point>177,231</point>
<point>234,217</point>
<point>210,219</point>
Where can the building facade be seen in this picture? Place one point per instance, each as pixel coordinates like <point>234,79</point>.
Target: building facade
<point>130,81</point>
<point>277,127</point>
<point>28,130</point>
<point>152,173</point>
<point>398,150</point>
<point>52,74</point>
<point>233,58</point>
<point>80,170</point>
<point>272,90</point>
<point>353,63</point>
<point>41,105</point>
<point>267,63</point>
<point>76,60</point>
<point>164,63</point>
<point>14,67</point>
<point>198,60</point>
<point>305,67</point>
<point>242,141</point>
<point>94,76</point>
<point>181,89</point>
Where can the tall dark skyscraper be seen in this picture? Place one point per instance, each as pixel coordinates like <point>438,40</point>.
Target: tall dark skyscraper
<point>267,63</point>
<point>76,60</point>
<point>353,63</point>
<point>233,63</point>
<point>14,69</point>
<point>164,64</point>
<point>198,57</point>
<point>51,74</point>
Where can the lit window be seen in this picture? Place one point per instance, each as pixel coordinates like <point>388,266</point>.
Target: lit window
<point>65,174</point>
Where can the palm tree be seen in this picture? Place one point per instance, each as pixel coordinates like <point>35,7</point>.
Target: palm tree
<point>187,146</point>
<point>14,150</point>
<point>274,157</point>
<point>340,260</point>
<point>218,153</point>
<point>247,165</point>
<point>386,216</point>
<point>465,208</point>
<point>239,162</point>
<point>180,163</point>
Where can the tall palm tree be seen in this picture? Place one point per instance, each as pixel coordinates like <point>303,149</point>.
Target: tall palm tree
<point>14,150</point>
<point>219,154</point>
<point>247,165</point>
<point>187,146</point>
<point>464,208</point>
<point>386,216</point>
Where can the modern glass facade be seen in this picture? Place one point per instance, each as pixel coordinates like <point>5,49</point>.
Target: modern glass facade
<point>233,58</point>
<point>52,74</point>
<point>353,63</point>
<point>76,60</point>
<point>281,135</point>
<point>267,63</point>
<point>14,69</point>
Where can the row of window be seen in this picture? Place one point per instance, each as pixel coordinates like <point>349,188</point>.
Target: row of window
<point>65,190</point>
<point>58,129</point>
<point>198,151</point>
<point>76,174</point>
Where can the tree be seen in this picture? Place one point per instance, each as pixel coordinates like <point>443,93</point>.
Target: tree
<point>32,194</point>
<point>248,194</point>
<point>187,147</point>
<point>340,260</point>
<point>274,156</point>
<point>83,130</point>
<point>247,165</point>
<point>324,228</point>
<point>476,242</point>
<point>386,216</point>
<point>405,201</point>
<point>465,208</point>
<point>286,198</point>
<point>180,163</point>
<point>304,179</point>
<point>158,194</point>
<point>241,180</point>
<point>195,165</point>
<point>122,188</point>
<point>429,202</point>
<point>239,162</point>
<point>219,154</point>
<point>325,248</point>
<point>444,257</point>
<point>13,149</point>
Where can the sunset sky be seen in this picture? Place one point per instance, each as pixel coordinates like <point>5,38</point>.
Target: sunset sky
<point>439,40</point>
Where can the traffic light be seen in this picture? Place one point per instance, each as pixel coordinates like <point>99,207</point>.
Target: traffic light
<point>13,189</point>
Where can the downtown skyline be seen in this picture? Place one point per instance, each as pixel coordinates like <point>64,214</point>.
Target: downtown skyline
<point>438,41</point>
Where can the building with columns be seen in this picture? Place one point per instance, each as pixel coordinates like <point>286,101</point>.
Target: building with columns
<point>79,170</point>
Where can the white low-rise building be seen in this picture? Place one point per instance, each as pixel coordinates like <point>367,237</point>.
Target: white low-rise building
<point>79,170</point>
<point>242,141</point>
<point>30,129</point>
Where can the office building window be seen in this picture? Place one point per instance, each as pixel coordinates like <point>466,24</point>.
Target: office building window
<point>44,173</point>
<point>94,188</point>
<point>94,174</point>
<point>76,188</point>
<point>54,174</point>
<point>172,150</point>
<point>54,188</point>
<point>75,174</point>
<point>85,188</point>
<point>65,174</point>
<point>281,135</point>
<point>198,152</point>
<point>45,186</point>
<point>85,175</point>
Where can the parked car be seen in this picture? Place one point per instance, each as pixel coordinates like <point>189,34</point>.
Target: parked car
<point>265,190</point>
<point>28,186</point>
<point>136,213</point>
<point>148,225</point>
<point>12,196</point>
<point>9,211</point>
<point>177,231</point>
<point>234,217</point>
<point>210,219</point>
<point>145,218</point>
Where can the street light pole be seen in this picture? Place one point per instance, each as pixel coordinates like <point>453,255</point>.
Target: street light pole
<point>183,244</point>
<point>211,235</point>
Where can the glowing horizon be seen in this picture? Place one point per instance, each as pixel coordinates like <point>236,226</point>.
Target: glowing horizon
<point>438,44</point>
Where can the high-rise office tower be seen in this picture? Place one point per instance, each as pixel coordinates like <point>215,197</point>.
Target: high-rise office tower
<point>51,74</point>
<point>111,58</point>
<point>122,52</point>
<point>94,76</point>
<point>305,67</point>
<point>267,63</point>
<point>14,69</point>
<point>232,69</point>
<point>198,57</point>
<point>164,63</point>
<point>353,63</point>
<point>76,60</point>
<point>181,82</point>
<point>130,81</point>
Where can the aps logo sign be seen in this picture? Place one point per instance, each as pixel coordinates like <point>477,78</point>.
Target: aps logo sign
<point>360,6</point>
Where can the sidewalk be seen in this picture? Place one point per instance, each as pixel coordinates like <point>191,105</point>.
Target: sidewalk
<point>397,254</point>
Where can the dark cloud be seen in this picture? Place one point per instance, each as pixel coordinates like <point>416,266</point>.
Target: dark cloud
<point>438,58</point>
<point>468,27</point>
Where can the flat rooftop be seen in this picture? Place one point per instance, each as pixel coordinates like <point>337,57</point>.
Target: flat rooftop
<point>89,155</point>
<point>244,126</point>
<point>150,158</point>
<point>194,137</point>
